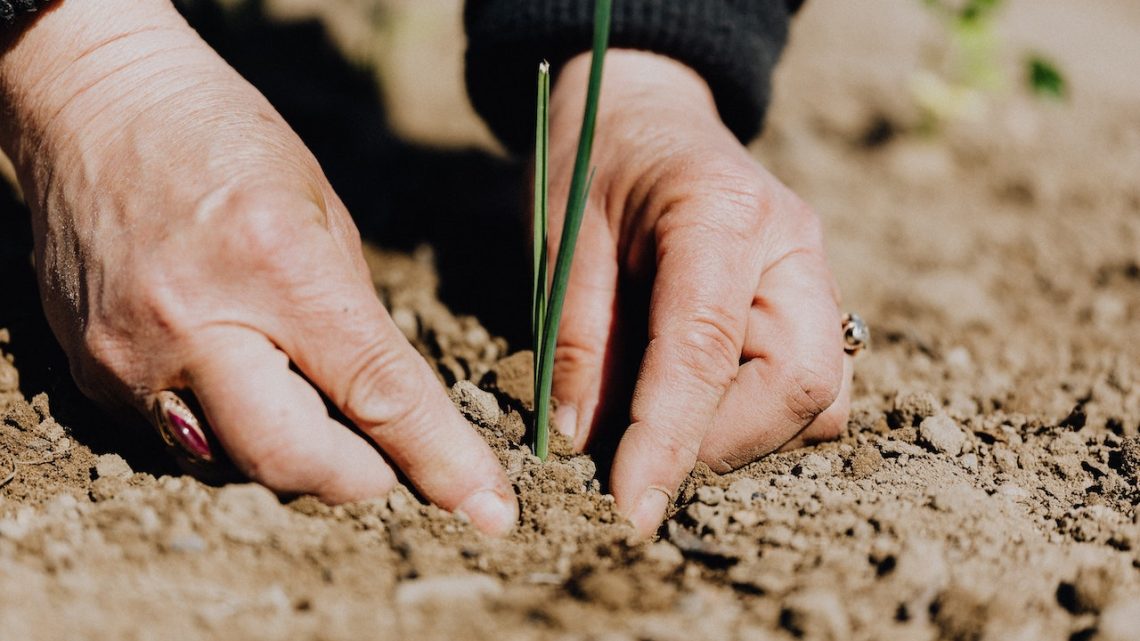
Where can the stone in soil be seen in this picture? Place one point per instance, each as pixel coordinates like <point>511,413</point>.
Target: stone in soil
<point>478,406</point>
<point>112,466</point>
<point>941,434</point>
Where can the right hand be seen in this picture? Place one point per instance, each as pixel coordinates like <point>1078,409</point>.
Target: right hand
<point>186,239</point>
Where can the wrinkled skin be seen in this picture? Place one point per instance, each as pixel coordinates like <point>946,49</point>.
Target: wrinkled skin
<point>745,354</point>
<point>186,239</point>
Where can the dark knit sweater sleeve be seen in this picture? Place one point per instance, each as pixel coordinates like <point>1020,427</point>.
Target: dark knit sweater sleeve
<point>732,44</point>
<point>9,9</point>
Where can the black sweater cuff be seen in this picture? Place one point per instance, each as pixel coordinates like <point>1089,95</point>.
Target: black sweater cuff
<point>9,9</point>
<point>732,44</point>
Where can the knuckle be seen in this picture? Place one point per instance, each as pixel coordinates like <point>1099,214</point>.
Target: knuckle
<point>710,219</point>
<point>261,231</point>
<point>268,233</point>
<point>743,193</point>
<point>379,394</point>
<point>709,340</point>
<point>144,298</point>
<point>572,357</point>
<point>672,445</point>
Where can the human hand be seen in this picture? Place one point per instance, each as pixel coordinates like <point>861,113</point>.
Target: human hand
<point>745,352</point>
<point>186,239</point>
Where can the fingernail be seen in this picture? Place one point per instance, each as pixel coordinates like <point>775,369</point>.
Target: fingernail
<point>649,511</point>
<point>189,436</point>
<point>491,512</point>
<point>566,421</point>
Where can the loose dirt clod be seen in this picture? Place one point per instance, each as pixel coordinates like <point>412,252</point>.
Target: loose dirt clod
<point>112,466</point>
<point>478,406</point>
<point>941,434</point>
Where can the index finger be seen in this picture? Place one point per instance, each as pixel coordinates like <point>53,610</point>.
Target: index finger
<point>334,328</point>
<point>707,271</point>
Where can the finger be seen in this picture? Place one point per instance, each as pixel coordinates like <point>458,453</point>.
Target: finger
<point>274,425</point>
<point>345,342</point>
<point>586,334</point>
<point>697,320</point>
<point>794,370</point>
<point>831,424</point>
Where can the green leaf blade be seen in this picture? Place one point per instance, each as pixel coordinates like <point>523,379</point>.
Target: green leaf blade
<point>580,185</point>
<point>541,214</point>
<point>1045,79</point>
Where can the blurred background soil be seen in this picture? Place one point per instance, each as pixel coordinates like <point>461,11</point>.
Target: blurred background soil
<point>987,487</point>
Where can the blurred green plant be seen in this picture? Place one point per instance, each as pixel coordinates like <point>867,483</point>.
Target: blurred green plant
<point>546,307</point>
<point>1045,79</point>
<point>974,69</point>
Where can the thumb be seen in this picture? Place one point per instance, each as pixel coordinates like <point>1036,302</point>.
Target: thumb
<point>585,336</point>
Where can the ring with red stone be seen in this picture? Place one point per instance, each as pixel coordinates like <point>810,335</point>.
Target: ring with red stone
<point>178,425</point>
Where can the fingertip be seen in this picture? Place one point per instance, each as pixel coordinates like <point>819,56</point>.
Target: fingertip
<point>648,511</point>
<point>566,421</point>
<point>493,512</point>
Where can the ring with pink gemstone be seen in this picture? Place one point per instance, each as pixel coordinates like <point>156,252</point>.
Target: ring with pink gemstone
<point>179,426</point>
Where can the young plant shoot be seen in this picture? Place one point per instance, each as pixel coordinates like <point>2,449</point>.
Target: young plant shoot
<point>547,303</point>
<point>975,71</point>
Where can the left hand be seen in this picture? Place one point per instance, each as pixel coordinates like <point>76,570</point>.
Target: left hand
<point>745,351</point>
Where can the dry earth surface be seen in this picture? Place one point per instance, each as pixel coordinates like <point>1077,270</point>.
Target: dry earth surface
<point>986,490</point>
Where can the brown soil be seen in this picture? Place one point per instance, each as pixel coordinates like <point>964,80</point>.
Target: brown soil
<point>986,488</point>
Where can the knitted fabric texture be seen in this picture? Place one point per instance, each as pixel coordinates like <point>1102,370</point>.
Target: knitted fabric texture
<point>732,44</point>
<point>9,9</point>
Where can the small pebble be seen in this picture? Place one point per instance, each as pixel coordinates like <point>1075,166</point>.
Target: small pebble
<point>746,518</point>
<point>1130,459</point>
<point>398,500</point>
<point>743,491</point>
<point>912,408</point>
<point>664,555</point>
<point>477,405</point>
<point>941,434</point>
<point>14,528</point>
<point>814,466</point>
<point>249,513</point>
<point>444,590</point>
<point>865,461</point>
<point>1013,491</point>
<point>112,466</point>
<point>959,360</point>
<point>710,495</point>
<point>970,462</point>
<point>476,336</point>
<point>186,542</point>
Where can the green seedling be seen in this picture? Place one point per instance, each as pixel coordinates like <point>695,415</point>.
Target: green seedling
<point>548,298</point>
<point>973,71</point>
<point>1045,79</point>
